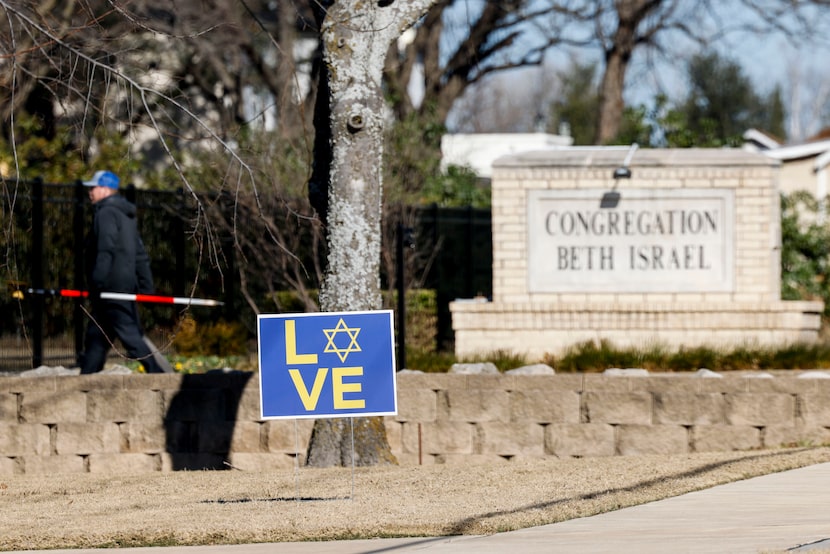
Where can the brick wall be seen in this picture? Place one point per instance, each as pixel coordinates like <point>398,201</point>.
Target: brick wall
<point>539,323</point>
<point>752,177</point>
<point>146,423</point>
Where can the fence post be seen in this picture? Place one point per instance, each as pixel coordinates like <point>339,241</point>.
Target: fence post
<point>442,297</point>
<point>36,276</point>
<point>228,247</point>
<point>401,286</point>
<point>78,279</point>
<point>129,193</point>
<point>468,267</point>
<point>178,243</point>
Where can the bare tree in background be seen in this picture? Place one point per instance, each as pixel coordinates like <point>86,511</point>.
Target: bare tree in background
<point>460,43</point>
<point>146,64</point>
<point>809,97</point>
<point>666,27</point>
<point>497,105</point>
<point>179,81</point>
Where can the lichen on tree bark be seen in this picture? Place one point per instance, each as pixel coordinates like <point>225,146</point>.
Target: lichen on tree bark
<point>356,36</point>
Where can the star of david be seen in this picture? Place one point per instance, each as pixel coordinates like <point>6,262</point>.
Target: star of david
<point>331,334</point>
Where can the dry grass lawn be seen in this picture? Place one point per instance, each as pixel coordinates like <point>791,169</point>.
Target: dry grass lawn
<point>225,507</point>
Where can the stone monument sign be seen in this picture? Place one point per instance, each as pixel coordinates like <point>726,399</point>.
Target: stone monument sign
<point>681,249</point>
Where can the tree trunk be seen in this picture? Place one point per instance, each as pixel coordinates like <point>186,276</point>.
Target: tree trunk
<point>356,37</point>
<point>611,102</point>
<point>630,13</point>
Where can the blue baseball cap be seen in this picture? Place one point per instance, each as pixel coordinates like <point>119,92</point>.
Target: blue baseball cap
<point>103,179</point>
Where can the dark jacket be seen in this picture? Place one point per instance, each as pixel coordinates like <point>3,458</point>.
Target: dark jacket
<point>116,258</point>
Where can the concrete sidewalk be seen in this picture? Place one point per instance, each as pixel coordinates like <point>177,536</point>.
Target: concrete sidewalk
<point>788,511</point>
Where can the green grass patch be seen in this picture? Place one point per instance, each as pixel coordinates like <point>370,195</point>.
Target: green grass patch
<point>598,356</point>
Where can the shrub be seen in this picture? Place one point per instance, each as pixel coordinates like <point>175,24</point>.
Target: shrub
<point>219,338</point>
<point>598,356</point>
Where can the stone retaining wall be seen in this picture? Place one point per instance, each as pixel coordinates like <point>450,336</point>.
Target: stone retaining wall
<point>146,423</point>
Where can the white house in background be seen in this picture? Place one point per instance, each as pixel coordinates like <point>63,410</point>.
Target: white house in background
<point>804,166</point>
<point>478,150</point>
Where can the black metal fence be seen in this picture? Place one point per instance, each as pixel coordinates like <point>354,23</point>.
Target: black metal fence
<point>43,233</point>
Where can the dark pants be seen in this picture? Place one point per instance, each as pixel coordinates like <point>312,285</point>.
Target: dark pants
<point>111,319</point>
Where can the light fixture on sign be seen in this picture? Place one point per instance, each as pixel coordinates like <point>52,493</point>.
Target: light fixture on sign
<point>611,198</point>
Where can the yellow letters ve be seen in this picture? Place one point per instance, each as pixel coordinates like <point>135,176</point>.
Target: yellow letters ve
<point>340,388</point>
<point>291,356</point>
<point>309,400</point>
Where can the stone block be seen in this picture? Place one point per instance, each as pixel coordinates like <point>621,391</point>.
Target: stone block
<point>637,440</point>
<point>667,383</point>
<point>87,438</point>
<point>775,436</point>
<point>124,464</point>
<point>156,381</point>
<point>194,405</point>
<point>417,405</point>
<point>524,458</point>
<point>394,431</point>
<point>689,408</point>
<point>412,437</point>
<point>181,436</point>
<point>476,405</point>
<point>21,439</point>
<point>586,439</point>
<point>192,461</point>
<point>544,406</point>
<point>143,437</point>
<point>617,407</point>
<point>220,437</point>
<point>122,406</point>
<point>510,439</point>
<point>289,435</point>
<point>96,381</point>
<point>468,459</point>
<point>611,384</point>
<point>782,384</point>
<point>726,384</point>
<point>262,461</point>
<point>558,382</point>
<point>53,465</point>
<point>431,381</point>
<point>760,409</point>
<point>412,459</point>
<point>249,436</point>
<point>10,466</point>
<point>32,384</point>
<point>249,408</point>
<point>814,409</point>
<point>498,381</point>
<point>8,407</point>
<point>442,437</point>
<point>53,407</point>
<point>725,438</point>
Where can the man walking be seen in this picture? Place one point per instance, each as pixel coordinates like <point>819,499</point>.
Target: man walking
<point>116,262</point>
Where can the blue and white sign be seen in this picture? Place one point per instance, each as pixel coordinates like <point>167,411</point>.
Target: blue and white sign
<point>328,364</point>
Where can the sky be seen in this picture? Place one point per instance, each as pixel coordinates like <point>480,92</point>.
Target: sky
<point>799,69</point>
<point>768,61</point>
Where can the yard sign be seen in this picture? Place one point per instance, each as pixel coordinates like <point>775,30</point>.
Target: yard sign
<point>329,364</point>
